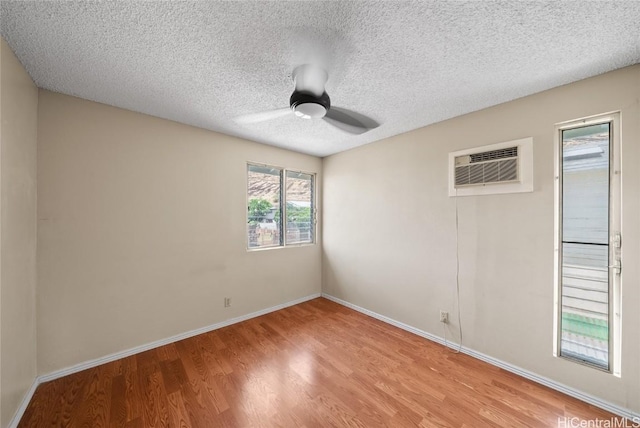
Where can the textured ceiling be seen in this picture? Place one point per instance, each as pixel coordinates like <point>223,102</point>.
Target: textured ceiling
<point>404,64</point>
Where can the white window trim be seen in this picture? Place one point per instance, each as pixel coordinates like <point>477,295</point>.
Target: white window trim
<point>615,224</point>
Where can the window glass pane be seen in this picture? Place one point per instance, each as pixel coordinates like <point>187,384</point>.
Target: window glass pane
<point>263,211</point>
<point>585,210</point>
<point>585,249</point>
<point>300,206</point>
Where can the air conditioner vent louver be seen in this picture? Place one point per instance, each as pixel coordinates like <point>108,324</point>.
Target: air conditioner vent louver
<point>495,166</point>
<point>494,154</point>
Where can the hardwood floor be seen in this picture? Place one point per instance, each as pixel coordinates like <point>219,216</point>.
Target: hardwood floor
<point>316,364</point>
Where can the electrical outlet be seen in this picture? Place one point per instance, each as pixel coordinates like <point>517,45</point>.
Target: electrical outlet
<point>444,317</point>
<point>227,302</point>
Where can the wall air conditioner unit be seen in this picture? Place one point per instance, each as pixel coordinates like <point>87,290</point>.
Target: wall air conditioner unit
<point>493,166</point>
<point>498,168</point>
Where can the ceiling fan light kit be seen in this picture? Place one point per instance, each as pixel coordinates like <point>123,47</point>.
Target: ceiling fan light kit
<point>308,106</point>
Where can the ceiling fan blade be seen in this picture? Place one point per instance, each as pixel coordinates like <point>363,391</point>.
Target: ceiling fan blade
<point>262,116</point>
<point>349,121</point>
<point>345,126</point>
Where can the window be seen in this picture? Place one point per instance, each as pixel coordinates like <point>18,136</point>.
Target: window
<point>264,190</point>
<point>588,243</point>
<point>274,194</point>
<point>299,208</point>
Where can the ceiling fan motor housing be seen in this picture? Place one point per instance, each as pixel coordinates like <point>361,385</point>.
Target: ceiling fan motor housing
<point>309,106</point>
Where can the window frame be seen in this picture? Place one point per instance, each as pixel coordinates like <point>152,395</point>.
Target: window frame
<point>283,207</point>
<point>615,227</point>
<point>312,207</point>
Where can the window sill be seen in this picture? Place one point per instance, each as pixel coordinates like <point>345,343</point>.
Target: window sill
<point>279,247</point>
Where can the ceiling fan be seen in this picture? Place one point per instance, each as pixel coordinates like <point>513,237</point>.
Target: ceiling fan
<point>310,101</point>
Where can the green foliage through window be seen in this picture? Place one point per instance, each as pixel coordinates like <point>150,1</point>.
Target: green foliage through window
<point>258,210</point>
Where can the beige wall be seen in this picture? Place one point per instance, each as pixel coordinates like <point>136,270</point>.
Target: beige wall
<point>389,233</point>
<point>18,139</point>
<point>142,226</point>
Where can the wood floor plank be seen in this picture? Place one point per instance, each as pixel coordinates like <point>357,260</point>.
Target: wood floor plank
<point>118,414</point>
<point>200,377</point>
<point>93,411</point>
<point>316,364</point>
<point>198,410</point>
<point>155,405</point>
<point>135,423</point>
<point>133,395</point>
<point>178,415</point>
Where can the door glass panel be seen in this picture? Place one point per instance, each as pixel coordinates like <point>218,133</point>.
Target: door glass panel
<point>585,244</point>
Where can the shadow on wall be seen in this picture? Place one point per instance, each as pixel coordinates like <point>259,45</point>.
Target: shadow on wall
<point>330,283</point>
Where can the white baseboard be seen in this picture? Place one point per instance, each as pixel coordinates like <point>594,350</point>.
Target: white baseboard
<point>23,405</point>
<point>136,350</point>
<point>587,398</point>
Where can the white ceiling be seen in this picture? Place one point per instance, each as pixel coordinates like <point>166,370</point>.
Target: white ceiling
<point>404,64</point>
